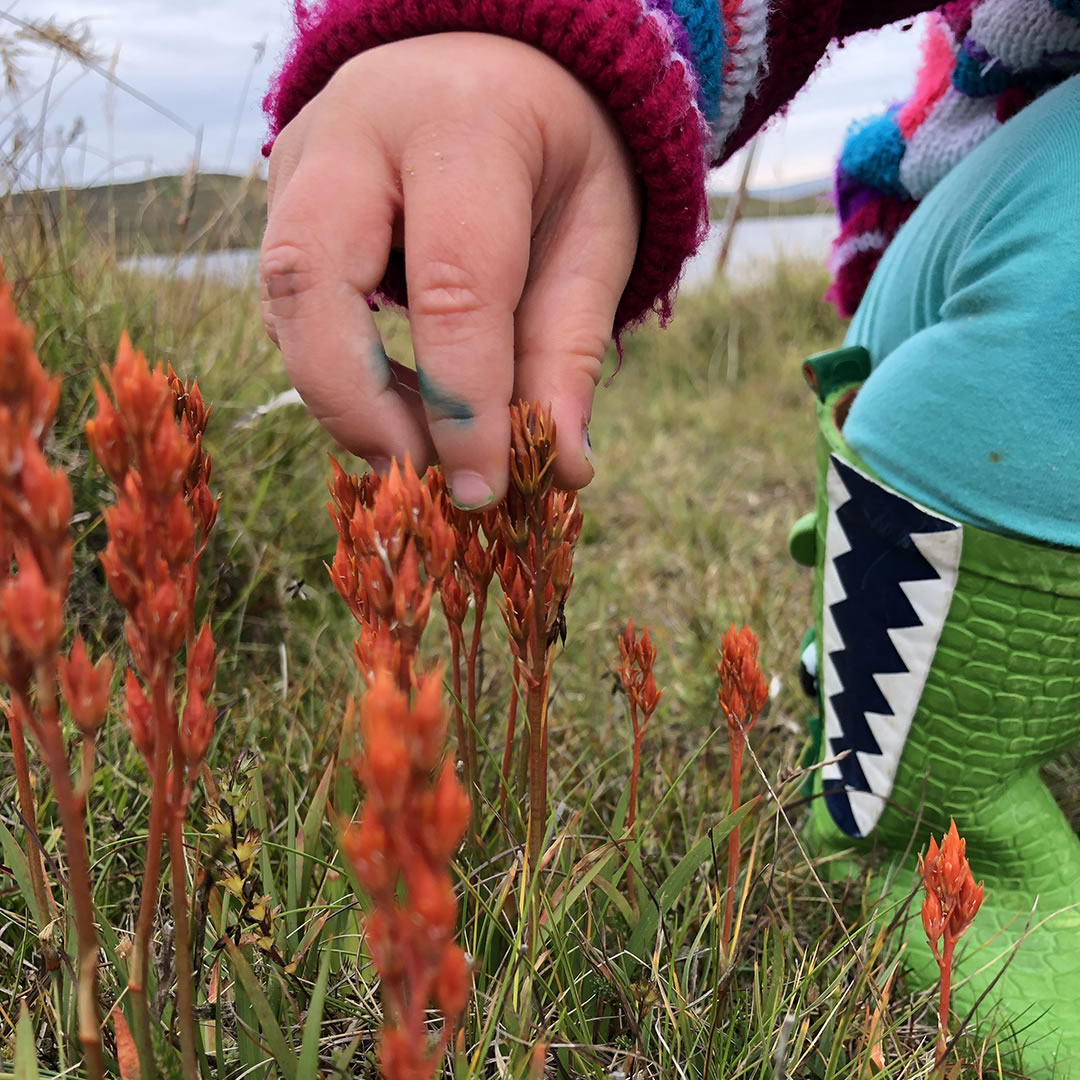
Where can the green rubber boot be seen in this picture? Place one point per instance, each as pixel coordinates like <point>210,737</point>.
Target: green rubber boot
<point>948,670</point>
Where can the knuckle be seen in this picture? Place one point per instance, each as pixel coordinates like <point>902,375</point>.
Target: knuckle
<point>286,271</point>
<point>445,289</point>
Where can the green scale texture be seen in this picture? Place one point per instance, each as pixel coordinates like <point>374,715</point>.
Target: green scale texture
<point>1002,698</point>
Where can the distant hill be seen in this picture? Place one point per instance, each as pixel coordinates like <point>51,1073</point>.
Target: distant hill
<point>147,215</point>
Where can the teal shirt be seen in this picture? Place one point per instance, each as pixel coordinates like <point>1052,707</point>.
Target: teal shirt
<point>973,324</point>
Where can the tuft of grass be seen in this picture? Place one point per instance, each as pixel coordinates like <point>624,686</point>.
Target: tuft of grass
<point>702,448</point>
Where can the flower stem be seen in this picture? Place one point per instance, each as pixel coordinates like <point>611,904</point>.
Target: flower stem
<point>33,850</point>
<point>733,842</point>
<point>943,999</point>
<point>472,762</point>
<point>70,810</point>
<point>536,711</point>
<point>508,748</point>
<point>631,816</point>
<point>138,975</point>
<point>185,993</point>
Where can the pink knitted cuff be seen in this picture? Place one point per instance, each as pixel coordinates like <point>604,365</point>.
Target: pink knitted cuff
<point>624,53</point>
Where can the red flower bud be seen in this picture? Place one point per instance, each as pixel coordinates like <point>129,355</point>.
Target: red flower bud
<point>47,494</point>
<point>196,727</point>
<point>202,662</point>
<point>139,715</point>
<point>451,989</point>
<point>107,438</point>
<point>85,686</point>
<point>446,815</point>
<point>141,395</point>
<point>31,611</point>
<point>368,850</point>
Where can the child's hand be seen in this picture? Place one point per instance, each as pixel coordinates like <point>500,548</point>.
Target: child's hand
<point>515,202</point>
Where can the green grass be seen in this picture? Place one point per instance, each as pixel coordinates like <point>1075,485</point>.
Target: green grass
<point>702,446</point>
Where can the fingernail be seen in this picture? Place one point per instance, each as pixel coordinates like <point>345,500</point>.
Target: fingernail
<point>587,442</point>
<point>469,490</point>
<point>380,465</point>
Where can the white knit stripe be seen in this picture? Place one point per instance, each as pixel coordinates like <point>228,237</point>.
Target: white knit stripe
<point>1022,34</point>
<point>749,64</point>
<point>688,73</point>
<point>843,253</point>
<point>955,126</point>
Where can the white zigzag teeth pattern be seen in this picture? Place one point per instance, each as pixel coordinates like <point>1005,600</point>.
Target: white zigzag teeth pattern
<point>955,126</point>
<point>1022,34</point>
<point>677,58</point>
<point>749,65</point>
<point>875,240</point>
<point>915,645</point>
<point>836,544</point>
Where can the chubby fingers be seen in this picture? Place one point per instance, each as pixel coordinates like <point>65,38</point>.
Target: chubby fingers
<point>324,251</point>
<point>468,214</point>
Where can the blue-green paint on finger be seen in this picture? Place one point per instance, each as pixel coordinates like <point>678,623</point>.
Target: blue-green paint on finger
<point>380,363</point>
<point>440,403</point>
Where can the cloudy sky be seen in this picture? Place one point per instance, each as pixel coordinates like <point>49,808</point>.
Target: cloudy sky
<point>197,59</point>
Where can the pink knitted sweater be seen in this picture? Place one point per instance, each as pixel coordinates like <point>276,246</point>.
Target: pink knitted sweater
<point>688,82</point>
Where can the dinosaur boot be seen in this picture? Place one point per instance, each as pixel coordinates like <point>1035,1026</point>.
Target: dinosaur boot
<point>948,672</point>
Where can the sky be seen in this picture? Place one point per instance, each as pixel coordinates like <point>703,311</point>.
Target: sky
<point>200,60</point>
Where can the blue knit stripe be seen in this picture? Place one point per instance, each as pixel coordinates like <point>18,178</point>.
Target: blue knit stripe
<point>872,155</point>
<point>704,23</point>
<point>1070,7</point>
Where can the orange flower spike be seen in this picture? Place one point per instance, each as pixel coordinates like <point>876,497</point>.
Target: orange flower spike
<point>743,690</point>
<point>141,395</point>
<point>85,686</point>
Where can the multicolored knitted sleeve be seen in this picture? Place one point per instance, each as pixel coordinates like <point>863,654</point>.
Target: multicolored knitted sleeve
<point>688,82</point>
<point>983,61</point>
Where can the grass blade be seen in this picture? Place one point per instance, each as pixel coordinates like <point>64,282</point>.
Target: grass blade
<point>313,821</point>
<point>275,1038</point>
<point>309,1049</point>
<point>26,1067</point>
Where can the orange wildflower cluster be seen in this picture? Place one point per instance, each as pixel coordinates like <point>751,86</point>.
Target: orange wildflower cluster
<point>395,546</point>
<point>150,444</point>
<point>742,692</point>
<point>147,434</point>
<point>468,579</point>
<point>951,902</point>
<point>35,570</point>
<point>410,827</point>
<point>534,557</point>
<point>636,659</point>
